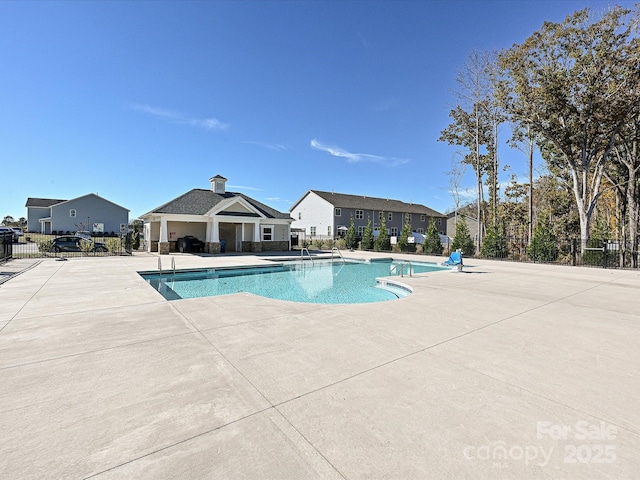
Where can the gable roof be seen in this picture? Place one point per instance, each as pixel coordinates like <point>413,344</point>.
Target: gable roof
<point>42,202</point>
<point>199,201</point>
<point>344,200</point>
<point>50,202</point>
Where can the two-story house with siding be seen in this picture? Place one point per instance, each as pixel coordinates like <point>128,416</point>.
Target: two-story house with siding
<point>323,215</point>
<point>89,213</point>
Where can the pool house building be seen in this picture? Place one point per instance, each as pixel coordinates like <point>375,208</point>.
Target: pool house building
<point>326,215</point>
<point>223,221</point>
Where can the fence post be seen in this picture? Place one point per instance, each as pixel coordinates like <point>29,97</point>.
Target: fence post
<point>574,248</point>
<point>604,254</point>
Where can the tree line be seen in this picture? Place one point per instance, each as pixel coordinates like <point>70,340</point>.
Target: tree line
<point>570,91</point>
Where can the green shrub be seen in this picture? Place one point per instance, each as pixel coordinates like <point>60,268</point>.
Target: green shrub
<point>45,245</point>
<point>495,244</point>
<point>544,244</point>
<point>114,244</point>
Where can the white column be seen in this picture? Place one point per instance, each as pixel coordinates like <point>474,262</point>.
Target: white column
<point>215,233</point>
<point>256,231</point>
<point>164,236</point>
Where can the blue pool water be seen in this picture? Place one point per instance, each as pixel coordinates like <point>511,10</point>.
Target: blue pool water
<point>317,282</point>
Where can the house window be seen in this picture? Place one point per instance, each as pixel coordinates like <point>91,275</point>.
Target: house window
<point>359,214</point>
<point>72,213</point>
<point>439,222</point>
<point>390,216</point>
<point>299,215</point>
<point>394,231</point>
<point>312,230</point>
<point>329,230</point>
<point>267,233</point>
<point>380,215</point>
<point>423,218</point>
<point>338,212</point>
<point>408,217</point>
<point>420,230</point>
<point>360,231</point>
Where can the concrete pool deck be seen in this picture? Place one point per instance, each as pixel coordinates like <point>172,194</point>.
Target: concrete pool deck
<point>505,371</point>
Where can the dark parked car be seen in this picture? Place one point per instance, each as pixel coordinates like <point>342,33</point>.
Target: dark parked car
<point>9,231</point>
<point>72,244</point>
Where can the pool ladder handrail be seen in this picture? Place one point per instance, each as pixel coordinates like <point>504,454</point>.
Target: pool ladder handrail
<point>339,253</point>
<point>308,253</point>
<point>401,266</point>
<point>173,265</point>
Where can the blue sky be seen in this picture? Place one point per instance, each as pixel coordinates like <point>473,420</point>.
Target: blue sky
<point>143,101</point>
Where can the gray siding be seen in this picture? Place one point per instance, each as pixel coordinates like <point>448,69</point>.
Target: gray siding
<point>89,209</point>
<point>397,220</point>
<point>34,214</point>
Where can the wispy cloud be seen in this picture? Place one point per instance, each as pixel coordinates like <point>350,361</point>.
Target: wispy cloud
<point>270,146</point>
<point>357,157</point>
<point>181,118</point>
<point>244,187</point>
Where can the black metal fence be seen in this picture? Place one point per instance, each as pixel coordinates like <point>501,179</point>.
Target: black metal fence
<point>37,245</point>
<point>575,252</point>
<point>6,246</point>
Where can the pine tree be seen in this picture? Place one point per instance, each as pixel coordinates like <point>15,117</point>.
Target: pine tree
<point>350,239</point>
<point>382,243</point>
<point>432,243</point>
<point>403,241</point>
<point>367,236</point>
<point>462,239</point>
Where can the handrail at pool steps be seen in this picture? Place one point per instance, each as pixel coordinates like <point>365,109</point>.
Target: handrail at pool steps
<point>401,265</point>
<point>339,253</point>
<point>308,254</point>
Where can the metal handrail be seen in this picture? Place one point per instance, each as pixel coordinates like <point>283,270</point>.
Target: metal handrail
<point>401,265</point>
<point>339,253</point>
<point>309,254</point>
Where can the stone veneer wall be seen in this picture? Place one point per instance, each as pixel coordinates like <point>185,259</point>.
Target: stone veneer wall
<point>212,247</point>
<point>276,246</point>
<point>164,248</point>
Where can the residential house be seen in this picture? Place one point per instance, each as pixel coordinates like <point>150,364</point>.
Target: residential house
<point>224,221</point>
<point>472,224</point>
<point>89,213</point>
<point>328,215</point>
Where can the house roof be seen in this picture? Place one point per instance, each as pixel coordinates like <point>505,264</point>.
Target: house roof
<point>50,202</point>
<point>199,201</point>
<point>344,200</point>
<point>42,202</point>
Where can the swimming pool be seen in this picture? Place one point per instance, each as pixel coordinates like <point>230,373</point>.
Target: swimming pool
<point>311,282</point>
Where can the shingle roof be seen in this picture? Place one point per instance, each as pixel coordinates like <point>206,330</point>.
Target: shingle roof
<point>343,200</point>
<point>42,202</point>
<point>199,201</point>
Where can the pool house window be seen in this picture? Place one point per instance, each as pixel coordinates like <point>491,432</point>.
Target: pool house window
<point>267,233</point>
<point>329,230</point>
